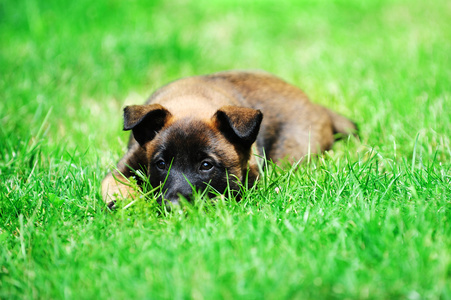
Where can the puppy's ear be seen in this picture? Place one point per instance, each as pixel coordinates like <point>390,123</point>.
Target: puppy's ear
<point>145,121</point>
<point>240,125</point>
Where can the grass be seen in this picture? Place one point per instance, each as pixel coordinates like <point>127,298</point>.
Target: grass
<point>368,220</point>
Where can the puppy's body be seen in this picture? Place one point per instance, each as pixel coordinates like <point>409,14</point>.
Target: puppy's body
<point>200,131</point>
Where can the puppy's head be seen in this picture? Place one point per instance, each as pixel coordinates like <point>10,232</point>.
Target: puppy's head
<point>188,153</point>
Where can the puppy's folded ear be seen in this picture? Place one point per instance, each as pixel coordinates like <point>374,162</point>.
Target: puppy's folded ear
<point>145,121</point>
<point>240,125</point>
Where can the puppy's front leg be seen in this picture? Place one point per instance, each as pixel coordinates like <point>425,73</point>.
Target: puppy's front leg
<point>116,184</point>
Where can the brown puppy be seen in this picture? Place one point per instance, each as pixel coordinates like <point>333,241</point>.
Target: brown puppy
<point>204,131</point>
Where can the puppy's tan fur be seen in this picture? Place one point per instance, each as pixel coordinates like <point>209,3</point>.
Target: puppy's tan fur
<point>225,105</point>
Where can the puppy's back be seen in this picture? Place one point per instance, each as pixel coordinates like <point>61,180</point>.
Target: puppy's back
<point>292,125</point>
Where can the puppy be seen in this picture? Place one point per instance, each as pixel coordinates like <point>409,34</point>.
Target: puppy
<point>203,132</point>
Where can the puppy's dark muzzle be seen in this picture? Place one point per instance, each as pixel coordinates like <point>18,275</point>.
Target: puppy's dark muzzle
<point>173,199</point>
<point>174,190</point>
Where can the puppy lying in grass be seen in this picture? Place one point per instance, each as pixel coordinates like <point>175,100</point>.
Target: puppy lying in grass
<point>204,131</point>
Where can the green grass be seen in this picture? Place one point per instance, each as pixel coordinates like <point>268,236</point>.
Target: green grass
<point>368,220</point>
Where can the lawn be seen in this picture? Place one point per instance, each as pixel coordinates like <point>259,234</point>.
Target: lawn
<point>369,219</point>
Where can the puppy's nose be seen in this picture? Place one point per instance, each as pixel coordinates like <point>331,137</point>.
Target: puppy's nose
<point>176,186</point>
<point>176,189</point>
<point>171,200</point>
<point>174,197</point>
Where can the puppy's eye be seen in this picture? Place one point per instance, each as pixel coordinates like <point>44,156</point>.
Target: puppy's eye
<point>161,164</point>
<point>206,165</point>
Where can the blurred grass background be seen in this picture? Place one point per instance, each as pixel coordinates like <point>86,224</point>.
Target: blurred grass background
<point>68,67</point>
<point>385,64</point>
